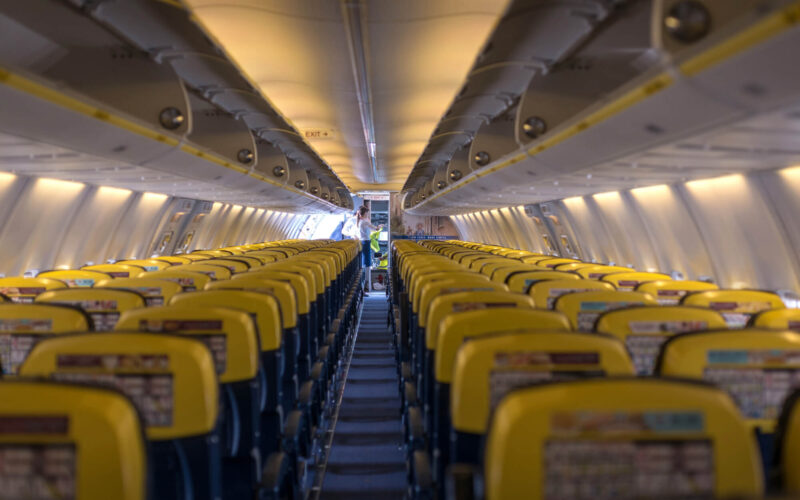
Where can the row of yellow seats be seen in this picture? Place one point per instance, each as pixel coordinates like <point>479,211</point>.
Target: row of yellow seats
<point>172,381</point>
<point>585,360</point>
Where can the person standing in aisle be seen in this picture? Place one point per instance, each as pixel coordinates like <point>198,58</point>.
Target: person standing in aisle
<point>365,227</point>
<point>350,227</point>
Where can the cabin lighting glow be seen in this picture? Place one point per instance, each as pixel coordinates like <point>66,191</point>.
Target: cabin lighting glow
<point>47,183</point>
<point>791,173</point>
<point>659,189</point>
<point>154,197</point>
<point>725,181</point>
<point>573,199</point>
<point>609,195</point>
<point>113,191</point>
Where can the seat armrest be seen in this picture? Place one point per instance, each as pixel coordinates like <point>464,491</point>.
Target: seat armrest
<point>275,477</point>
<point>464,482</point>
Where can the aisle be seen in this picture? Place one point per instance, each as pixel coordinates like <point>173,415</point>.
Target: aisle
<point>366,460</point>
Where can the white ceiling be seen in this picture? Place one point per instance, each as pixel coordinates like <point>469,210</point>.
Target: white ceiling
<point>418,53</point>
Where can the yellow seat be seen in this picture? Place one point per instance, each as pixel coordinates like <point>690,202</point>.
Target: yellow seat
<point>322,269</point>
<point>553,262</point>
<point>70,442</point>
<point>266,255</point>
<point>583,308</point>
<point>419,280</point>
<point>465,257</point>
<point>22,326</point>
<point>620,438</point>
<point>597,271</point>
<point>545,292</point>
<point>782,319</point>
<point>518,254</point>
<point>477,264</point>
<point>459,327</point>
<point>759,368</point>
<point>103,305</point>
<point>192,257</point>
<point>628,281</point>
<point>175,260</point>
<point>572,266</point>
<point>645,329</point>
<point>493,265</point>
<point>117,270</point>
<point>212,253</point>
<point>339,260</point>
<point>486,369</point>
<point>312,272</point>
<point>229,334</point>
<point>171,381</point>
<point>262,259</point>
<point>281,290</point>
<point>521,282</point>
<point>285,250</point>
<point>76,278</point>
<point>431,291</point>
<point>233,265</point>
<point>788,448</point>
<point>468,260</point>
<point>264,308</point>
<point>188,280</point>
<point>413,269</point>
<point>233,250</point>
<point>534,259</point>
<point>671,292</point>
<point>438,299</point>
<point>298,282</point>
<point>501,274</point>
<point>214,271</point>
<point>444,306</point>
<point>251,261</point>
<point>25,290</point>
<point>736,306</point>
<point>329,260</point>
<point>156,292</point>
<point>147,264</point>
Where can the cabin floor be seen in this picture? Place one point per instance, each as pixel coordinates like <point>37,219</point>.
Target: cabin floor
<point>366,459</point>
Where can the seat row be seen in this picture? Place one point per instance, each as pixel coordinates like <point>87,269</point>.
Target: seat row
<point>555,378</point>
<point>200,376</point>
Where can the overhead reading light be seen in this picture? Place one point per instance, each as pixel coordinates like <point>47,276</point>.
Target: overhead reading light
<point>534,127</point>
<point>482,158</point>
<point>314,190</point>
<point>688,21</point>
<point>455,175</point>
<point>245,156</point>
<point>278,171</point>
<point>300,184</point>
<point>171,118</point>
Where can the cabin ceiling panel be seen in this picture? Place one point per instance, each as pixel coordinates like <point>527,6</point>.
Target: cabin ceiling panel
<point>304,56</point>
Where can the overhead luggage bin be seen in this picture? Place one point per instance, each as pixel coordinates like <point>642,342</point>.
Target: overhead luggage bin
<point>183,122</point>
<point>647,105</point>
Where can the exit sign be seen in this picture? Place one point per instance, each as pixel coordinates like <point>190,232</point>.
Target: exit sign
<point>312,134</point>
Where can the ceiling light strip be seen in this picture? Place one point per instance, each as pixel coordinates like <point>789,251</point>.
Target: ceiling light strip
<point>354,13</point>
